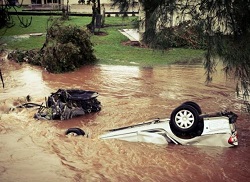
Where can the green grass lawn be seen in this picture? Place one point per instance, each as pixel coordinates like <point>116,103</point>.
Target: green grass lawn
<point>108,49</point>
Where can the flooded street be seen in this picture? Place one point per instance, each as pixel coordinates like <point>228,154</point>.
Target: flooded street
<point>38,150</point>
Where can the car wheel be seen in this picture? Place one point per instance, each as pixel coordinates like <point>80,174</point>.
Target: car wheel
<point>75,132</point>
<point>194,105</point>
<point>184,118</point>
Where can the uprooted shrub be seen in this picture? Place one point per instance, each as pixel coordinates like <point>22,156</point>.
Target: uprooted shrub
<point>66,48</point>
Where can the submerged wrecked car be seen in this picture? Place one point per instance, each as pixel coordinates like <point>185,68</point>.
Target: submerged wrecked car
<point>186,126</point>
<point>66,104</point>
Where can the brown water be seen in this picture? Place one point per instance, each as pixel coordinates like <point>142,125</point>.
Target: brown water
<point>32,150</point>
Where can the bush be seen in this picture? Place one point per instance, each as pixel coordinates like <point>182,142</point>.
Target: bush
<point>183,35</point>
<point>61,58</point>
<point>67,48</point>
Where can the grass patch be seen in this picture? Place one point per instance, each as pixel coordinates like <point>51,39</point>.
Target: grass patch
<point>108,49</point>
<point>24,42</point>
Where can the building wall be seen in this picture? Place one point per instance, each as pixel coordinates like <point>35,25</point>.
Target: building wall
<point>28,2</point>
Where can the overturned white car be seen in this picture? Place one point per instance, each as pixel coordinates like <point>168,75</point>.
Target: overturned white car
<point>187,126</point>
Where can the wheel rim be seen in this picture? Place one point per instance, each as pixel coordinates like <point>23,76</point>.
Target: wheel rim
<point>72,134</point>
<point>184,119</point>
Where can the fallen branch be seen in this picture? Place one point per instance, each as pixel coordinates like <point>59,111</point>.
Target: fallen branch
<point>1,78</point>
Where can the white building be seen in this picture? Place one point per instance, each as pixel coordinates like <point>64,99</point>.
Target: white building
<point>29,2</point>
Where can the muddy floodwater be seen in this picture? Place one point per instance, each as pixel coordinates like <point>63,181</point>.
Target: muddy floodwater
<point>38,150</point>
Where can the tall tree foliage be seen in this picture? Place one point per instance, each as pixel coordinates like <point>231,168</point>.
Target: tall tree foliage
<point>225,26</point>
<point>157,15</point>
<point>6,20</point>
<point>227,30</point>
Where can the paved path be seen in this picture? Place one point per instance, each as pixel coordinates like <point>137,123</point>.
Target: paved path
<point>79,8</point>
<point>132,34</point>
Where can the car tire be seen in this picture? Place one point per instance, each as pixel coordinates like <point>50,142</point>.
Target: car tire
<point>184,119</point>
<point>75,131</point>
<point>194,105</point>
